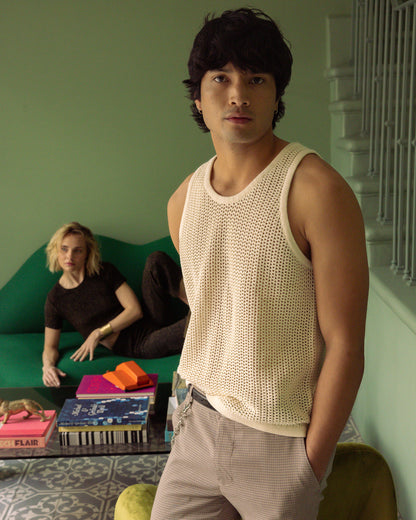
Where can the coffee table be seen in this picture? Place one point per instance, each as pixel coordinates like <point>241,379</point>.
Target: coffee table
<point>54,398</point>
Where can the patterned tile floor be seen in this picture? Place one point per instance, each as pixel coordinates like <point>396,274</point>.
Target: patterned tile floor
<point>84,488</point>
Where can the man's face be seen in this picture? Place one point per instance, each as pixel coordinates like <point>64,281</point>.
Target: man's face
<point>237,106</point>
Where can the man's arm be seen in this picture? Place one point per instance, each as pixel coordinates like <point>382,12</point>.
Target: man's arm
<point>328,225</point>
<point>175,209</point>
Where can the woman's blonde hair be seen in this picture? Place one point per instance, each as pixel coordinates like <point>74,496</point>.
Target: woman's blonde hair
<point>93,261</point>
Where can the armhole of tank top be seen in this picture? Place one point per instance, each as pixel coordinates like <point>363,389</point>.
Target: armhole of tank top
<point>287,230</point>
<point>185,206</point>
<point>188,190</point>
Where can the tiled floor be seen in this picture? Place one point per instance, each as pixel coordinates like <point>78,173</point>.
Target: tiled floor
<point>84,488</point>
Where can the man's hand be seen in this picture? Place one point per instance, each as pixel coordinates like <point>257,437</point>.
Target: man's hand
<point>51,375</point>
<point>88,347</point>
<point>318,464</point>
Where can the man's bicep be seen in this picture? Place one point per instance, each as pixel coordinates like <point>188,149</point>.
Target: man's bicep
<point>339,260</point>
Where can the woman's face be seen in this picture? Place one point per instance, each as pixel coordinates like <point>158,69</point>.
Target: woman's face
<point>72,253</point>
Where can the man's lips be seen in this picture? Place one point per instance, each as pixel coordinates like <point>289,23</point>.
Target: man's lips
<point>238,118</point>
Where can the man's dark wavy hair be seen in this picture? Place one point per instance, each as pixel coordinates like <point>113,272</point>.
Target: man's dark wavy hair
<point>247,38</point>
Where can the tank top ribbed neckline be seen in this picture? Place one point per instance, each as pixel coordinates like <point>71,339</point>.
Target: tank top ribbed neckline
<point>231,199</point>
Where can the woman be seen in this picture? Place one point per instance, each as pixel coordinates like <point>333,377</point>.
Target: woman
<point>95,298</point>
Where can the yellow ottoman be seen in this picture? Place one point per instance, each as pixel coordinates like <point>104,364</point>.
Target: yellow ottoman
<point>135,502</point>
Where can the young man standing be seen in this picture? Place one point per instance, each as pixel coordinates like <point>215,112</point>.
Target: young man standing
<point>272,248</point>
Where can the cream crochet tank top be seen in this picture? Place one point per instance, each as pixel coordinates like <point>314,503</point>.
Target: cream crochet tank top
<point>253,344</point>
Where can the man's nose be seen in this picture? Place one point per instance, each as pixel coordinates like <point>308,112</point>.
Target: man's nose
<point>239,95</point>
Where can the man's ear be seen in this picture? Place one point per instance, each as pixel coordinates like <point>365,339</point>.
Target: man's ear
<point>277,104</point>
<point>198,105</point>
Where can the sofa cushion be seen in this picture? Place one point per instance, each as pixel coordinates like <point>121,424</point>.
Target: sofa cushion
<point>21,361</point>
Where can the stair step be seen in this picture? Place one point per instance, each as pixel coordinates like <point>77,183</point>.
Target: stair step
<point>346,117</point>
<point>364,184</point>
<point>341,82</point>
<point>346,105</point>
<point>379,242</point>
<point>366,190</point>
<point>350,155</point>
<point>354,143</point>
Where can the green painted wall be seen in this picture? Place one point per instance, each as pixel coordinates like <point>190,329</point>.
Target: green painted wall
<point>94,121</point>
<point>384,411</point>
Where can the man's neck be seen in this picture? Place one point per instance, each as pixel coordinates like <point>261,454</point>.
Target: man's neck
<point>237,166</point>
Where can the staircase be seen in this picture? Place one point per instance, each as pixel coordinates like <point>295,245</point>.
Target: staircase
<point>350,148</point>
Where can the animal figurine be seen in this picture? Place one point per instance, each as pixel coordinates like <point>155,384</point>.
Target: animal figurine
<point>8,408</point>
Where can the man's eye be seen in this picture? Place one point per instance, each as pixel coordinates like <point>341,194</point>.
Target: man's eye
<point>219,79</point>
<point>257,80</point>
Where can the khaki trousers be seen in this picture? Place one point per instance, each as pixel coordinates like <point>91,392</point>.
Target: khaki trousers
<point>220,469</point>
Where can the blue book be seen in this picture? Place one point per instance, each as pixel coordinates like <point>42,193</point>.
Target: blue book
<point>97,412</point>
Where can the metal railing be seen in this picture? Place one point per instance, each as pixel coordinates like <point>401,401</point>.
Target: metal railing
<point>384,51</point>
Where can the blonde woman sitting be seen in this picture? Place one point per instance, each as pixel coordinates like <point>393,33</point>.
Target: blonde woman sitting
<point>94,297</point>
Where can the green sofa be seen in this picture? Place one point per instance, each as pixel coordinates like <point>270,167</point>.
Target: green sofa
<point>21,319</point>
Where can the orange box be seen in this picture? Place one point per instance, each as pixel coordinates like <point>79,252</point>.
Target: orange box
<point>128,376</point>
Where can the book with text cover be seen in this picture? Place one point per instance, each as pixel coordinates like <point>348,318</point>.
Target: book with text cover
<point>98,387</point>
<point>18,432</point>
<point>94,412</point>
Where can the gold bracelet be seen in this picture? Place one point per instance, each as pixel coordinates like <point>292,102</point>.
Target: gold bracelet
<point>106,330</point>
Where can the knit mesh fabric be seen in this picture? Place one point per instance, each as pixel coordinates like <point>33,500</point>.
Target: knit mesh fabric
<point>253,344</point>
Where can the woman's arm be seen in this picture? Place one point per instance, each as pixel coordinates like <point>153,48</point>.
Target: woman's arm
<point>132,312</point>
<point>50,356</point>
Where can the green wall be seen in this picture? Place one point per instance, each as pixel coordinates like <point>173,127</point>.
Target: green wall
<point>94,121</point>
<point>384,411</point>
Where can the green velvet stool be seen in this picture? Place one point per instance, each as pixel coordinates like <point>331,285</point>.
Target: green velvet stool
<point>360,487</point>
<point>135,502</point>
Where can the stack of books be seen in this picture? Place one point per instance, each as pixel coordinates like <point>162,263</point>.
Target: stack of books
<point>30,432</point>
<point>97,387</point>
<point>84,422</point>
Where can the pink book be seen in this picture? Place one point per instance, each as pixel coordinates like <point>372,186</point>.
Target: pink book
<point>97,387</point>
<point>27,433</point>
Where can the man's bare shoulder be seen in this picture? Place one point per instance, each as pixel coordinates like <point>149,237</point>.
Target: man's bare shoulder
<point>320,202</point>
<point>316,174</point>
<point>317,183</point>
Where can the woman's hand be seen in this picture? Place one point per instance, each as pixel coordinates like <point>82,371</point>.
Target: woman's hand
<point>88,347</point>
<point>51,375</point>
<point>50,358</point>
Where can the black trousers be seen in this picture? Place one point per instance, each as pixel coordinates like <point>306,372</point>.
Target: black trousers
<point>161,331</point>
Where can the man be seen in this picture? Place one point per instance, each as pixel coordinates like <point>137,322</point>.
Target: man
<point>272,248</point>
